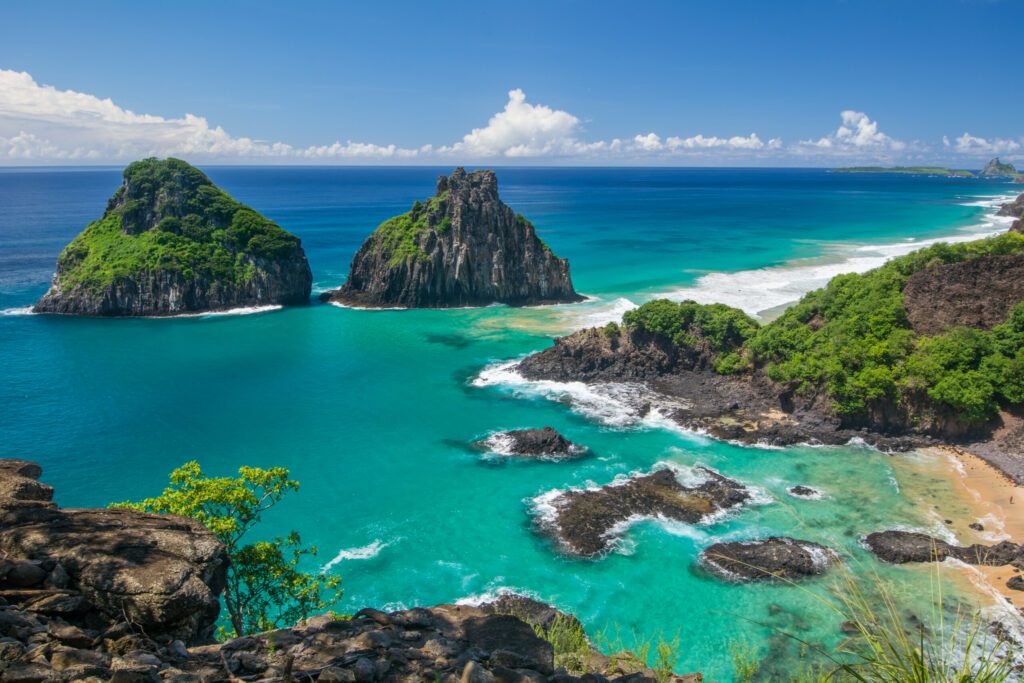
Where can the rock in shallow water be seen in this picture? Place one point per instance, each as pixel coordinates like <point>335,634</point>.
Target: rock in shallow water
<point>771,558</point>
<point>800,491</point>
<point>588,522</point>
<point>900,547</point>
<point>538,442</point>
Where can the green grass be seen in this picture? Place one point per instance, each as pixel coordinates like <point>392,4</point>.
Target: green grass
<point>400,237</point>
<point>907,170</point>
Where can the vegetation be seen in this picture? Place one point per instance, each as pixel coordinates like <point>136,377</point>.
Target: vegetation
<point>400,236</point>
<point>907,170</point>
<point>169,216</point>
<point>852,340</point>
<point>265,588</point>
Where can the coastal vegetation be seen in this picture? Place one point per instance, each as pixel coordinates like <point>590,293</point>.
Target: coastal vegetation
<point>908,170</point>
<point>169,216</point>
<point>852,339</point>
<point>265,587</point>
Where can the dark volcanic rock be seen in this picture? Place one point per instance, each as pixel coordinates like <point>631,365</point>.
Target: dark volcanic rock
<point>1015,583</point>
<point>542,442</point>
<point>171,242</point>
<point>770,558</point>
<point>801,491</point>
<point>997,169</point>
<point>463,247</point>
<point>585,522</point>
<point>164,573</point>
<point>900,547</point>
<point>977,293</point>
<point>1014,208</point>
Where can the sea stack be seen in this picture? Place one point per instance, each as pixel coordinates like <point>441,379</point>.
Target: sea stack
<point>461,247</point>
<point>998,169</point>
<point>172,242</point>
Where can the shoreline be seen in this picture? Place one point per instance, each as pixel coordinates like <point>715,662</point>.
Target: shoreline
<point>992,499</point>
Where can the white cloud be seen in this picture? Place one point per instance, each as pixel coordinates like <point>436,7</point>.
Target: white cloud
<point>857,135</point>
<point>976,146</point>
<point>738,142</point>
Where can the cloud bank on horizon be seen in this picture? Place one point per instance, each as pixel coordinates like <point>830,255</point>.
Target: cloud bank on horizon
<point>41,124</point>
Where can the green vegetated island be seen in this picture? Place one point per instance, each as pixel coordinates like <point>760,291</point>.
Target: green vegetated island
<point>172,242</point>
<point>993,169</point>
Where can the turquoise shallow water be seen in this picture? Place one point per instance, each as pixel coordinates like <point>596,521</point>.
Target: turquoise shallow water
<point>374,411</point>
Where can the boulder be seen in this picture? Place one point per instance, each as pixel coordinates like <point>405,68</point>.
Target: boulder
<point>771,558</point>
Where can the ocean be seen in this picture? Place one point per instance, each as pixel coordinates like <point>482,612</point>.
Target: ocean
<point>375,412</point>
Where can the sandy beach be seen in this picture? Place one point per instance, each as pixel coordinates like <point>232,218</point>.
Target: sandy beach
<point>995,502</point>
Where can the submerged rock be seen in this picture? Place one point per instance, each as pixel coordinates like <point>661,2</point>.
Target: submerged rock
<point>587,522</point>
<point>171,242</point>
<point>462,247</point>
<point>536,442</point>
<point>900,547</point>
<point>801,491</point>
<point>770,558</point>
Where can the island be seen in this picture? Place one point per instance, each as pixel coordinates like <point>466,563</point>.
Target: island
<point>927,349</point>
<point>461,247</point>
<point>171,242</point>
<point>907,170</point>
<point>998,169</point>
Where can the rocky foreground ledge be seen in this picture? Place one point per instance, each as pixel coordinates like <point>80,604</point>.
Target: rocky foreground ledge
<point>128,597</point>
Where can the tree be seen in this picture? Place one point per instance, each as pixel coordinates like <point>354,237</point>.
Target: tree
<point>265,588</point>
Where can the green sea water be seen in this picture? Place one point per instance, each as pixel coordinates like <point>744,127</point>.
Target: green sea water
<point>375,412</point>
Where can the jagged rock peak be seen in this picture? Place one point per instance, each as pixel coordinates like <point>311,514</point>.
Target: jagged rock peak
<point>171,242</point>
<point>461,247</point>
<point>996,168</point>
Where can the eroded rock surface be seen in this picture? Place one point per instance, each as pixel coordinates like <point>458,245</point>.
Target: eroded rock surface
<point>587,522</point>
<point>900,547</point>
<point>544,442</point>
<point>770,558</point>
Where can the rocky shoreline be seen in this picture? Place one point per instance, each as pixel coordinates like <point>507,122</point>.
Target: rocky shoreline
<point>128,597</point>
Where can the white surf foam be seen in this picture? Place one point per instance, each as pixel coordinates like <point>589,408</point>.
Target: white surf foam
<point>764,289</point>
<point>365,552</point>
<point>22,310</point>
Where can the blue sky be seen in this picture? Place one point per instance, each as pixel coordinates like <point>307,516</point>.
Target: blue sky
<point>688,83</point>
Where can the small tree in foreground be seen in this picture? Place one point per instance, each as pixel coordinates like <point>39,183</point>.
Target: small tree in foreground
<point>265,588</point>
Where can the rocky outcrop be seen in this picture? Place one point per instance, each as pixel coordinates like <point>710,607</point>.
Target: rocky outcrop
<point>900,547</point>
<point>769,558</point>
<point>462,247</point>
<point>977,293</point>
<point>587,522</point>
<point>171,242</point>
<point>801,491</point>
<point>100,568</point>
<point>544,442</point>
<point>117,595</point>
<point>998,169</point>
<point>1014,208</point>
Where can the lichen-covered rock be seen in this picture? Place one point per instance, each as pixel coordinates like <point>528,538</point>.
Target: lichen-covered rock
<point>171,242</point>
<point>462,247</point>
<point>769,558</point>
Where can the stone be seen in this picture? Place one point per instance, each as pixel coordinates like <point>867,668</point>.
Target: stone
<point>544,442</point>
<point>771,558</point>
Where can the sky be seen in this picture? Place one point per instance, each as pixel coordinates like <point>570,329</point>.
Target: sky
<point>587,82</point>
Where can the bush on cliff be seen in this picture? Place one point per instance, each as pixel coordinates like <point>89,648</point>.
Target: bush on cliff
<point>265,588</point>
<point>685,323</point>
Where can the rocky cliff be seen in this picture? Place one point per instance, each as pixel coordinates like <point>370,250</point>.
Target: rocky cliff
<point>998,169</point>
<point>128,597</point>
<point>171,242</point>
<point>462,247</point>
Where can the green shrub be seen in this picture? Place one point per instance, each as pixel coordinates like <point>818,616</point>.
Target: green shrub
<point>723,327</point>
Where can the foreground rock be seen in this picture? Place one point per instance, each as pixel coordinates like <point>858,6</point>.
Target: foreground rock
<point>462,247</point>
<point>900,547</point>
<point>587,522</point>
<point>1014,208</point>
<point>114,595</point>
<point>770,558</point>
<point>544,442</point>
<point>171,242</point>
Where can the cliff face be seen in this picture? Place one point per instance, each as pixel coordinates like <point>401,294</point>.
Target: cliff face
<point>171,242</point>
<point>118,595</point>
<point>462,247</point>
<point>1014,208</point>
<point>998,169</point>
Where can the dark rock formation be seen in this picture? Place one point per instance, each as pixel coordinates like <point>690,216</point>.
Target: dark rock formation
<point>900,547</point>
<point>801,491</point>
<point>977,293</point>
<point>770,558</point>
<point>585,521</point>
<point>114,595</point>
<point>1016,583</point>
<point>171,242</point>
<point>1014,208</point>
<point>998,169</point>
<point>162,573</point>
<point>462,247</point>
<point>537,442</point>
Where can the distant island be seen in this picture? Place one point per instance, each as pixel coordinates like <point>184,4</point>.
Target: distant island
<point>172,242</point>
<point>461,247</point>
<point>993,169</point>
<point>907,170</point>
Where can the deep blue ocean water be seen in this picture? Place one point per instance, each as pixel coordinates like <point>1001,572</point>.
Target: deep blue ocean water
<point>374,411</point>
